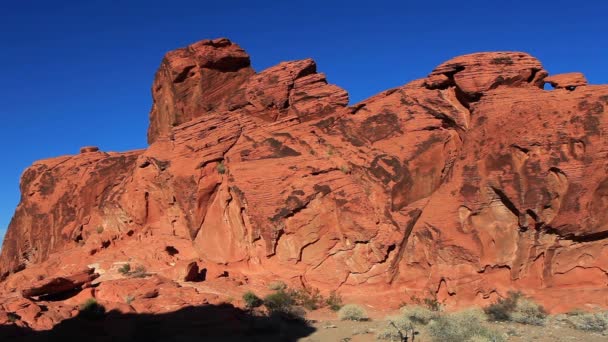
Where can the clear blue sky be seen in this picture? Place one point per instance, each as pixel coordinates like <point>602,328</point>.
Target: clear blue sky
<point>77,73</point>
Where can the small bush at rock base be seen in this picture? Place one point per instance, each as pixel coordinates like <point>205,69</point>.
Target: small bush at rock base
<point>502,309</point>
<point>398,328</point>
<point>528,312</point>
<point>430,302</point>
<point>309,299</point>
<point>277,286</point>
<point>91,309</point>
<point>352,312</point>
<point>281,304</point>
<point>221,168</point>
<point>588,321</point>
<point>462,326</point>
<point>418,314</point>
<point>515,307</point>
<point>334,301</point>
<point>251,300</point>
<point>12,317</point>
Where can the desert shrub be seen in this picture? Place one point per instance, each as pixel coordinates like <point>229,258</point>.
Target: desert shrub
<point>430,302</point>
<point>251,300</point>
<point>221,168</point>
<point>334,301</point>
<point>278,301</point>
<point>352,312</point>
<point>12,317</point>
<point>462,326</point>
<point>91,309</point>
<point>528,312</point>
<point>282,304</point>
<point>99,229</point>
<point>397,329</point>
<point>515,307</point>
<point>576,312</point>
<point>504,307</point>
<point>139,272</point>
<point>277,286</point>
<point>309,299</point>
<point>125,269</point>
<point>418,314</point>
<point>588,321</point>
<point>129,299</point>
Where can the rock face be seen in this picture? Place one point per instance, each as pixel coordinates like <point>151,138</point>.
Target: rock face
<point>460,186</point>
<point>195,80</point>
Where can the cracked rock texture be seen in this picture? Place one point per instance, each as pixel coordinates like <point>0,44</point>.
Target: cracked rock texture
<point>461,186</point>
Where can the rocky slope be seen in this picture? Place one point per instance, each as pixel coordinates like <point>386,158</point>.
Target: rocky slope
<point>460,186</point>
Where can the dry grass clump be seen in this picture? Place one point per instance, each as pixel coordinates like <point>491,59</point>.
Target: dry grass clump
<point>466,325</point>
<point>352,312</point>
<point>587,321</point>
<point>515,307</point>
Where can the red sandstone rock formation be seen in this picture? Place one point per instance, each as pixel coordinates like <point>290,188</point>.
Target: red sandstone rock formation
<point>462,186</point>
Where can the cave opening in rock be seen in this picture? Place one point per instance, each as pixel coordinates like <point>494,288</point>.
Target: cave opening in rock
<point>171,250</point>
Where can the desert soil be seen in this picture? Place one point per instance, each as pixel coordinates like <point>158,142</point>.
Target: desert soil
<point>328,329</point>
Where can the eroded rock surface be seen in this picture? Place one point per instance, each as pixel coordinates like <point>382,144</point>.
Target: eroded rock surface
<point>460,186</point>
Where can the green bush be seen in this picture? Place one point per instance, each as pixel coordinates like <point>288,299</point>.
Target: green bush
<point>139,272</point>
<point>251,300</point>
<point>462,326</point>
<point>91,309</point>
<point>99,229</point>
<point>277,286</point>
<point>12,317</point>
<point>504,307</point>
<point>397,329</point>
<point>588,321</point>
<point>418,314</point>
<point>352,312</point>
<point>334,301</point>
<point>278,301</point>
<point>221,168</point>
<point>430,302</point>
<point>282,304</point>
<point>309,299</point>
<point>528,312</point>
<point>515,307</point>
<point>124,269</point>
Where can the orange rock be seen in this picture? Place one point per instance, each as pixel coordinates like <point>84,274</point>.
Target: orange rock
<point>567,81</point>
<point>61,284</point>
<point>460,186</point>
<point>88,149</point>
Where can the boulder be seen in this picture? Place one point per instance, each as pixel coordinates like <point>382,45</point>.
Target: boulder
<point>60,284</point>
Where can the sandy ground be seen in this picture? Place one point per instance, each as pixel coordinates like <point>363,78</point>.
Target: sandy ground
<point>332,329</point>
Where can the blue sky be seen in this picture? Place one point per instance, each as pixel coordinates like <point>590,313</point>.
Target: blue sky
<point>77,73</point>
